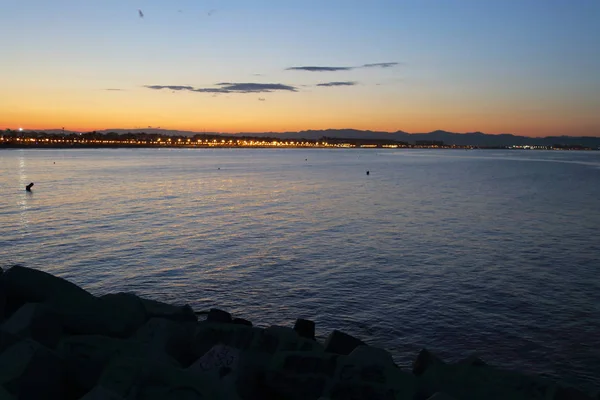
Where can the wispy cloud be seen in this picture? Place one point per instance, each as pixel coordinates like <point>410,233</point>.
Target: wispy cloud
<point>255,87</point>
<point>319,69</point>
<point>380,65</point>
<point>169,87</point>
<point>231,87</point>
<point>337,84</point>
<point>333,69</point>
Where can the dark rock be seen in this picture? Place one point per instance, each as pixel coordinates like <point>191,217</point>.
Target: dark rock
<point>26,285</point>
<point>139,379</point>
<point>216,315</point>
<point>209,334</point>
<point>124,313</point>
<point>6,340</point>
<point>424,360</point>
<point>36,321</point>
<point>5,395</point>
<point>86,356</point>
<point>152,391</point>
<point>242,321</point>
<point>157,309</point>
<point>569,393</point>
<point>32,372</point>
<point>121,375</point>
<point>101,393</point>
<point>78,311</point>
<point>305,328</point>
<point>168,336</point>
<point>473,360</point>
<point>3,310</point>
<point>463,381</point>
<point>341,343</point>
<point>441,396</point>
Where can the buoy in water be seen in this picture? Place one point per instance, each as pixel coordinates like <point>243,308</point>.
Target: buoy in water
<point>368,172</point>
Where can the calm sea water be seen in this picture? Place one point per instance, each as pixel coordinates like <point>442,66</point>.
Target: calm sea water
<point>490,251</point>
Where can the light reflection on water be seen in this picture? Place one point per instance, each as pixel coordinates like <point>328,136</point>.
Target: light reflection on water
<point>457,251</point>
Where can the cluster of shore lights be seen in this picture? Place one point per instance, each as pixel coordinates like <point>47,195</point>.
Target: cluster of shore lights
<point>187,142</point>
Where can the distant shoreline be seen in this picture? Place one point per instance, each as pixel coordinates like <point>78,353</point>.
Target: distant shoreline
<point>5,146</point>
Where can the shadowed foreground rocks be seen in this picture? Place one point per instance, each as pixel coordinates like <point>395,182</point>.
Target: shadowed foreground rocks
<point>57,341</point>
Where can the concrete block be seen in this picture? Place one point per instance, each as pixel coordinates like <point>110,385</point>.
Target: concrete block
<point>570,393</point>
<point>33,286</point>
<point>441,396</point>
<point>101,393</point>
<point>366,375</point>
<point>220,316</point>
<point>221,366</point>
<point>372,355</point>
<point>7,339</point>
<point>242,321</point>
<point>464,381</point>
<point>157,309</point>
<point>267,341</point>
<point>86,357</point>
<point>173,338</point>
<point>36,321</point>
<point>5,395</point>
<point>14,360</point>
<point>341,343</point>
<point>473,360</point>
<point>159,381</point>
<point>30,371</point>
<point>219,361</point>
<point>124,313</point>
<point>305,328</point>
<point>424,360</point>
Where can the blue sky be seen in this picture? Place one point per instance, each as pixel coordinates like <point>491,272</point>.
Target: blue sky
<point>527,67</point>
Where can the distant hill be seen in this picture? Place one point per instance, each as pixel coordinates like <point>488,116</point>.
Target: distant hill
<point>467,139</point>
<point>168,132</point>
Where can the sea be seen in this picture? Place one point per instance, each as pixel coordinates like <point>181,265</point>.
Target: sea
<point>493,252</point>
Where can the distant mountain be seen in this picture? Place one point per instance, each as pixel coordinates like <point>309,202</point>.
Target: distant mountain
<point>466,139</point>
<point>168,132</point>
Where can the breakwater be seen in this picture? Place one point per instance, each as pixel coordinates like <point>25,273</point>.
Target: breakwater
<point>58,341</point>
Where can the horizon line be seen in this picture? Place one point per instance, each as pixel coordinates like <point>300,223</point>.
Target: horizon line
<point>366,131</point>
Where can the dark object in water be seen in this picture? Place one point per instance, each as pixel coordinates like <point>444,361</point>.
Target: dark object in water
<point>368,172</point>
<point>28,187</point>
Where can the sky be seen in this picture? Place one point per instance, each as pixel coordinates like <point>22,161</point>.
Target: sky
<point>528,67</point>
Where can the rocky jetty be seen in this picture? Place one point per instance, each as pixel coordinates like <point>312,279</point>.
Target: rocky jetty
<point>57,341</point>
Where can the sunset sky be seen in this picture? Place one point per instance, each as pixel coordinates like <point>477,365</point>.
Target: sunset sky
<point>529,67</point>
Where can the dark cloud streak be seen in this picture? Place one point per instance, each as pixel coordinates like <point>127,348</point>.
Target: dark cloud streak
<point>333,69</point>
<point>380,65</point>
<point>319,69</point>
<point>229,87</point>
<point>170,87</point>
<point>337,84</point>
